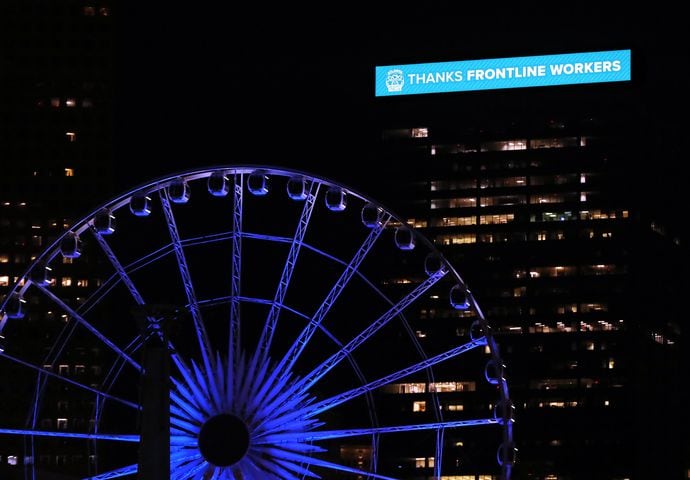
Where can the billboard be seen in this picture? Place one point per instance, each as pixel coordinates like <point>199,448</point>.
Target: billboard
<point>501,73</point>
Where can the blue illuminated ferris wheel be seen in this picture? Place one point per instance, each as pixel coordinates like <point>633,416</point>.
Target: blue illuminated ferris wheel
<point>310,332</point>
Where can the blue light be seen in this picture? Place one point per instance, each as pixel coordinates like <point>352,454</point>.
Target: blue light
<point>274,411</point>
<point>498,73</point>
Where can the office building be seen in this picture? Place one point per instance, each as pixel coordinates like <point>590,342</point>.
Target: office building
<point>573,252</point>
<point>56,136</point>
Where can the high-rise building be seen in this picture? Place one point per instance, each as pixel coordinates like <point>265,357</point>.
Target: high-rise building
<point>548,201</point>
<point>56,132</point>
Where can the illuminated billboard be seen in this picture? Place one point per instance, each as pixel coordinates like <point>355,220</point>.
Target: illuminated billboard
<point>495,73</point>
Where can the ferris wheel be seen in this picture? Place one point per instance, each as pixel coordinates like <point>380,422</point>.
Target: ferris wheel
<point>310,333</point>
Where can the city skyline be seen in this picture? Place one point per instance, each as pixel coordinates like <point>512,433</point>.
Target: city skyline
<point>169,97</point>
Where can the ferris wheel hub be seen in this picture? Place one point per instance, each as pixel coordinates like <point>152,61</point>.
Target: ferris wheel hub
<point>224,440</point>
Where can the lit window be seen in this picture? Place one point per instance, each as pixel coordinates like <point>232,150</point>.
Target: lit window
<point>502,200</point>
<point>416,222</point>
<point>554,142</point>
<point>66,282</point>
<point>420,334</point>
<point>453,221</point>
<point>12,460</point>
<point>541,236</point>
<point>553,198</point>
<point>452,387</point>
<point>506,145</point>
<point>607,403</point>
<point>432,150</point>
<point>593,307</point>
<point>70,102</point>
<point>71,136</point>
<point>583,197</point>
<point>63,369</point>
<point>453,202</point>
<point>55,102</point>
<point>67,259</point>
<point>4,281</point>
<point>452,184</point>
<point>62,424</point>
<point>104,11</point>
<point>456,407</point>
<point>4,258</point>
<point>496,219</point>
<point>503,182</point>
<point>422,132</point>
<point>458,239</point>
<point>419,406</point>
<point>611,364</point>
<point>519,291</point>
<point>420,462</point>
<point>82,282</point>
<point>583,178</point>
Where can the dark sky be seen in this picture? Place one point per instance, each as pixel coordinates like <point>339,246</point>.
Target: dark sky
<point>204,86</point>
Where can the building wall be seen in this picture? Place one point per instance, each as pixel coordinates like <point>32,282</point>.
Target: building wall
<point>552,230</point>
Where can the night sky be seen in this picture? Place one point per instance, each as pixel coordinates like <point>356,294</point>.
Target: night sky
<point>214,85</point>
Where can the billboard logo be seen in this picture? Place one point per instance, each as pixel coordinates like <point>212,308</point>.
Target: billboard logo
<point>395,80</point>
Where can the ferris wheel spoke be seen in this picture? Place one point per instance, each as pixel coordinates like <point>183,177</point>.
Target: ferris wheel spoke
<point>118,267</point>
<point>119,363</point>
<point>190,469</point>
<point>236,271</point>
<point>87,436</point>
<point>272,319</point>
<point>150,258</point>
<point>439,450</point>
<point>120,472</point>
<point>43,371</point>
<point>316,374</point>
<point>72,313</point>
<point>198,395</point>
<point>294,352</point>
<point>250,469</point>
<point>276,468</point>
<point>286,455</point>
<point>216,474</point>
<point>357,432</point>
<point>193,305</point>
<point>298,468</point>
<point>184,454</point>
<point>336,400</point>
